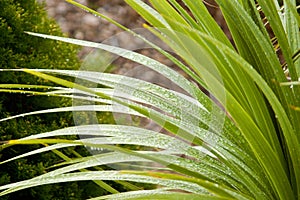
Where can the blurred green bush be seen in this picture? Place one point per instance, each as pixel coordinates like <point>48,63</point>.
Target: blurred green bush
<point>19,50</point>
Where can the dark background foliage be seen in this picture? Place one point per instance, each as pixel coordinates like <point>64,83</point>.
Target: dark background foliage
<point>19,50</point>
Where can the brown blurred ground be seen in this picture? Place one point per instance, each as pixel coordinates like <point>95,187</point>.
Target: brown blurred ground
<point>82,25</point>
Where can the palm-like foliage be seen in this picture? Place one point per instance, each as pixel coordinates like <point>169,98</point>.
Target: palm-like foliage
<point>250,127</point>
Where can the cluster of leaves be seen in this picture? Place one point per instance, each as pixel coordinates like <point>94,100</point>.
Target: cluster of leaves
<point>239,142</point>
<point>20,50</point>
